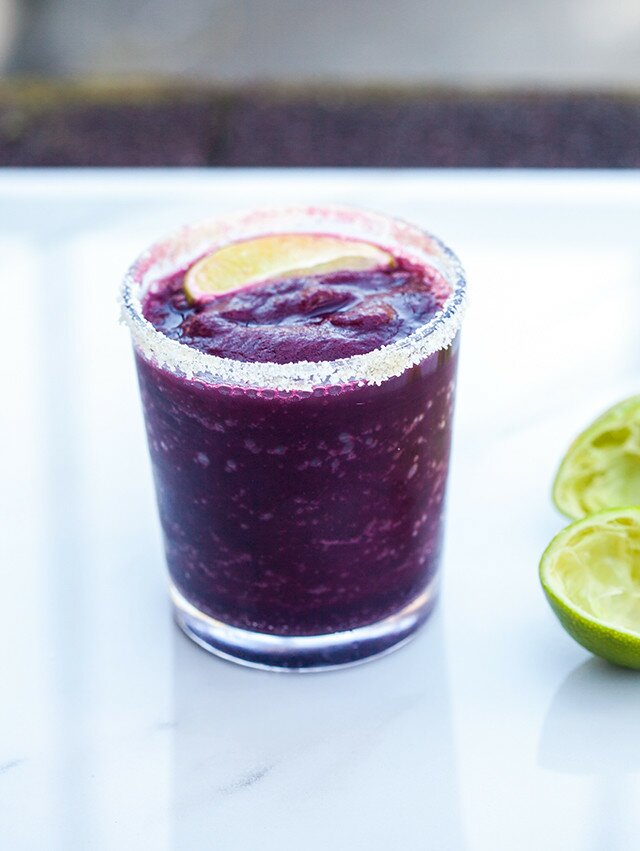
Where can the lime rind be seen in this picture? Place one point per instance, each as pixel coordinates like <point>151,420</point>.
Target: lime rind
<point>590,574</point>
<point>601,468</point>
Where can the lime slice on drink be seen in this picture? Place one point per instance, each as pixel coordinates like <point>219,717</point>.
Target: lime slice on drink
<point>280,256</point>
<point>590,574</point>
<point>602,467</point>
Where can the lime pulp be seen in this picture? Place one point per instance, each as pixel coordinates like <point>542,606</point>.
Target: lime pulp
<point>590,573</point>
<point>602,466</point>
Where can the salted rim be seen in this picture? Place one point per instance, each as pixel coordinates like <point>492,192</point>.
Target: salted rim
<point>182,248</point>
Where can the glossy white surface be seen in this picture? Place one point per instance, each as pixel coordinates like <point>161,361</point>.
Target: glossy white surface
<point>491,731</point>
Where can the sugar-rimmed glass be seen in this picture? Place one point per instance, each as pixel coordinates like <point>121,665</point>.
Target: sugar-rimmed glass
<point>301,504</point>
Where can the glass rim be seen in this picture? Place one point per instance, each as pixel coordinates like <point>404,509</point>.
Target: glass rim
<point>183,247</point>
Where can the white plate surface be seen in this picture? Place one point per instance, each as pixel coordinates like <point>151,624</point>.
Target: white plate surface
<point>491,731</point>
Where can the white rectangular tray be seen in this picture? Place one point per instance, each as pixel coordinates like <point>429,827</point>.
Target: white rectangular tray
<point>491,731</point>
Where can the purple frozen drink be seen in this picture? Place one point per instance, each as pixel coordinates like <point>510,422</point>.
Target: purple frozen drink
<point>297,372</point>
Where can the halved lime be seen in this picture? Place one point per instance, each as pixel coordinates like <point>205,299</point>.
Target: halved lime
<point>280,256</point>
<point>602,466</point>
<point>590,573</point>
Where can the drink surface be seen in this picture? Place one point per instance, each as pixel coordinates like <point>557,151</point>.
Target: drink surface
<point>308,317</point>
<point>301,514</point>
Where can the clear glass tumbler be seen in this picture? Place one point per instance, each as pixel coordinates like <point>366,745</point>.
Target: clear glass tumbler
<point>301,503</point>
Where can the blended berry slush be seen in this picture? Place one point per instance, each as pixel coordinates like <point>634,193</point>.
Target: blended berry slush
<point>297,372</point>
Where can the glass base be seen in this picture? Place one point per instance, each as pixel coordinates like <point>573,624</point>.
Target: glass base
<point>303,652</point>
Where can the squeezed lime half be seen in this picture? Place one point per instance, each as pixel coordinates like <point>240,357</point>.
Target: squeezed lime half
<point>252,261</point>
<point>602,466</point>
<point>590,574</point>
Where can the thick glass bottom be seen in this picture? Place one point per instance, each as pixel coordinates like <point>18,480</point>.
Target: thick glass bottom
<point>303,652</point>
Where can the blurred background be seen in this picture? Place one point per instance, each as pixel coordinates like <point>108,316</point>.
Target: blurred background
<point>491,42</point>
<point>498,82</point>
